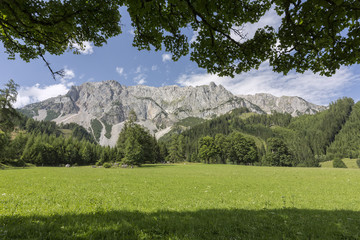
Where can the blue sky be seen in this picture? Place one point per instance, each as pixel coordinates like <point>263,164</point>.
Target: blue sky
<point>119,60</point>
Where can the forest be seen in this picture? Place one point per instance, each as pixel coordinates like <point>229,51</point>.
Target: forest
<point>238,137</point>
<point>43,143</point>
<point>276,139</point>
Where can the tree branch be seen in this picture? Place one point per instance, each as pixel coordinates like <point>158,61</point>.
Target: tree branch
<point>196,13</point>
<point>60,73</point>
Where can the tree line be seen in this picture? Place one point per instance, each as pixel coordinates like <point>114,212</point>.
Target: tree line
<point>42,143</point>
<point>238,137</point>
<point>281,140</point>
<point>24,141</point>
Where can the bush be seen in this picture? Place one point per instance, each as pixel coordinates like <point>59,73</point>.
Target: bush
<point>107,165</point>
<point>358,162</point>
<point>15,163</point>
<point>338,163</point>
<point>18,163</point>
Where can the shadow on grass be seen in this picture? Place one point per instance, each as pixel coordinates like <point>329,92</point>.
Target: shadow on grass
<point>156,165</point>
<point>7,168</point>
<point>202,224</point>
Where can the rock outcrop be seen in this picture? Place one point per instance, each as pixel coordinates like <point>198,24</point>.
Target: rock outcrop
<point>294,105</point>
<point>109,103</point>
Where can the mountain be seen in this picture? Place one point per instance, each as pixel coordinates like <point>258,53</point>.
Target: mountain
<point>102,107</point>
<point>294,105</point>
<point>302,141</point>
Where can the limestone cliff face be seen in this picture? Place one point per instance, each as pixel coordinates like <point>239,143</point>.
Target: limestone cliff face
<point>156,108</point>
<point>294,105</point>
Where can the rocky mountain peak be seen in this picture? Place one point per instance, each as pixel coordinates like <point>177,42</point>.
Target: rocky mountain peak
<point>106,105</point>
<point>286,104</point>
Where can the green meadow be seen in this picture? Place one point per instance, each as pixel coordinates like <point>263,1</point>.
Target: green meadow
<point>191,201</point>
<point>350,163</point>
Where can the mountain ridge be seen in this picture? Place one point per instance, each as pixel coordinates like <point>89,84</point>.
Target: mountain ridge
<point>290,104</point>
<point>157,108</point>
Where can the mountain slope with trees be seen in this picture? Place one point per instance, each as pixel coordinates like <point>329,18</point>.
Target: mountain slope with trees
<point>282,140</point>
<point>238,137</point>
<point>104,106</point>
<point>347,141</point>
<point>24,141</point>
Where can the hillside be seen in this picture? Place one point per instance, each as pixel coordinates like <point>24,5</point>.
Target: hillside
<point>306,140</point>
<point>237,137</point>
<point>102,107</point>
<point>347,142</point>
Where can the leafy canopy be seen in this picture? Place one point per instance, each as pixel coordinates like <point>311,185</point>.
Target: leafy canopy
<point>207,150</point>
<point>314,35</point>
<point>31,28</point>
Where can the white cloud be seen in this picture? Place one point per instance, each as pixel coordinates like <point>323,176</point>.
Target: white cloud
<point>138,69</point>
<point>86,48</point>
<point>140,79</point>
<point>68,74</point>
<point>166,57</point>
<point>120,70</point>
<point>312,87</point>
<point>36,93</point>
<point>194,36</point>
<point>271,18</point>
<point>154,67</point>
<point>141,76</point>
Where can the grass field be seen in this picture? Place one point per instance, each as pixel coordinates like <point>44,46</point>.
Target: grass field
<point>180,202</point>
<point>350,163</point>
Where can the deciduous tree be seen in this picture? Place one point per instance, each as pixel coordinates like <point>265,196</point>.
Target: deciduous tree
<point>242,150</point>
<point>278,153</point>
<point>207,150</point>
<point>319,36</point>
